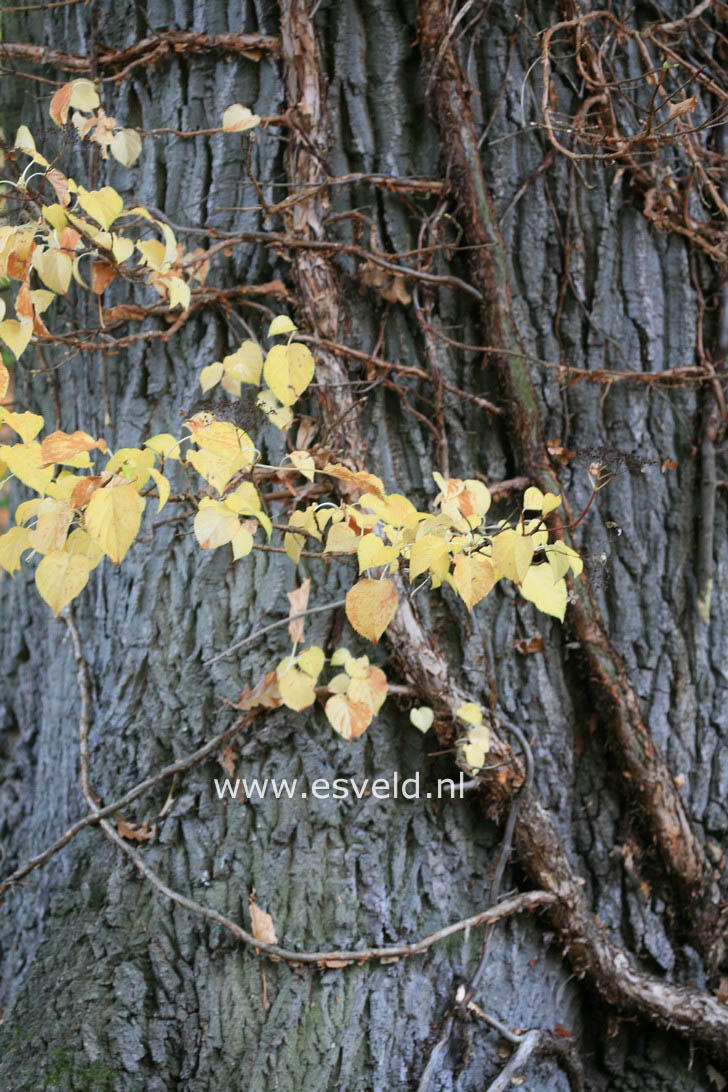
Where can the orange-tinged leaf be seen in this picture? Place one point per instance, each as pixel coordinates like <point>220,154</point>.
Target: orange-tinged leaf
<point>288,370</point>
<point>371,606</point>
<point>83,491</point>
<point>371,691</point>
<point>61,447</point>
<point>12,544</point>
<point>349,719</point>
<point>60,577</point>
<point>360,479</point>
<point>474,578</point>
<point>102,275</point>
<point>113,518</point>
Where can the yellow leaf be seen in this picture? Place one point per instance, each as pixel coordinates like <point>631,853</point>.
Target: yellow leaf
<point>211,375</point>
<point>54,268</point>
<point>78,542</point>
<point>103,206</point>
<point>561,558</point>
<point>311,660</point>
<point>60,577</point>
<point>296,687</point>
<point>281,324</point>
<point>242,542</point>
<point>163,487</point>
<point>224,439</point>
<point>279,415</point>
<point>476,746</point>
<point>126,146</point>
<point>4,379</point>
<point>339,684</point>
<point>293,545</point>
<point>27,510</point>
<point>16,335</point>
<point>215,524</point>
<point>113,518</point>
<point>372,552</point>
<point>27,464</point>
<point>84,96</point>
<point>341,540</point>
<point>12,544</point>
<point>213,468</point>
<point>470,713</point>
<point>392,508</point>
<point>56,216</point>
<point>341,657</point>
<point>349,719</point>
<point>27,425</point>
<point>474,577</point>
<point>371,606</point>
<point>356,667</point>
<point>245,364</point>
<point>122,248</point>
<point>54,519</point>
<point>288,370</point>
<point>237,118</point>
<point>24,142</point>
<point>41,299</point>
<point>536,501</point>
<point>512,554</point>
<point>179,292</point>
<point>303,460</point>
<point>539,587</point>
<point>153,253</point>
<point>429,552</point>
<point>163,444</point>
<point>422,718</point>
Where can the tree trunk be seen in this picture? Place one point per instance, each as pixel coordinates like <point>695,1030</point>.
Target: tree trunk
<point>552,264</point>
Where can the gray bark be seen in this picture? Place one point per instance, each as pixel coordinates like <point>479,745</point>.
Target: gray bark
<point>107,986</point>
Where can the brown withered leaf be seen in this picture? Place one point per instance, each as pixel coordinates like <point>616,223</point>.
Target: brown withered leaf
<point>264,695</point>
<point>124,312</point>
<point>563,1032</point>
<point>227,759</point>
<point>299,601</point>
<point>133,833</point>
<point>84,490</point>
<point>527,647</point>
<point>679,109</point>
<point>261,923</point>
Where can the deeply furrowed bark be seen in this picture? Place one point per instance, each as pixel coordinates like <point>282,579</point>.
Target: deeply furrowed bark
<point>649,777</point>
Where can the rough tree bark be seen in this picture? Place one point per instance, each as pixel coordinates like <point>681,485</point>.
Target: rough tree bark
<point>107,984</point>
